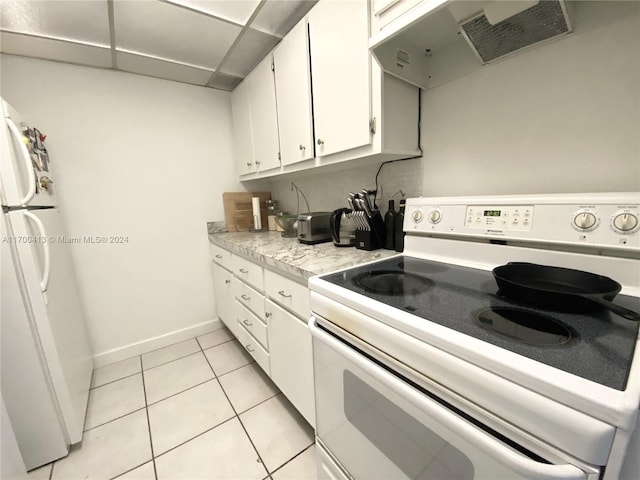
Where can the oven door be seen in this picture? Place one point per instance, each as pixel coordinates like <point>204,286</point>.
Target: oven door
<point>378,425</point>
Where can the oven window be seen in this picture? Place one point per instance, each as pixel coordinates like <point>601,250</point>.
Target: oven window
<point>412,447</point>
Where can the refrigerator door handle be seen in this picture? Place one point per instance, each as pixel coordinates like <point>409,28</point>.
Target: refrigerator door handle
<point>44,283</point>
<point>15,131</point>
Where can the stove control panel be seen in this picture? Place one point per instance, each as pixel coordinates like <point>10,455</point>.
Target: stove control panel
<point>599,220</point>
<point>504,217</point>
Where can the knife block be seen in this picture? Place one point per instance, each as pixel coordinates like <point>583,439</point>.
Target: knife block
<point>373,238</point>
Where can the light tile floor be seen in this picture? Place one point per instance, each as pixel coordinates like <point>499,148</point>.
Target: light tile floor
<point>198,409</point>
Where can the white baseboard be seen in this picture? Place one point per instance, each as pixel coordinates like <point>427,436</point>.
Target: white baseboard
<point>144,346</point>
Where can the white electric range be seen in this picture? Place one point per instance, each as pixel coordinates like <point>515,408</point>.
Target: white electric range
<point>423,369</point>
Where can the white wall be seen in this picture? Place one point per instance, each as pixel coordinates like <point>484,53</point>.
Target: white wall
<point>139,157</point>
<point>564,117</point>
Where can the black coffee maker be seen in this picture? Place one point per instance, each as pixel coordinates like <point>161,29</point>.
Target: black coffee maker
<point>342,229</point>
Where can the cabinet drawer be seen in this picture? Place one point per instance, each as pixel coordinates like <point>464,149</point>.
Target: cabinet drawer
<point>288,293</point>
<point>253,325</point>
<point>248,297</point>
<point>221,256</point>
<point>248,272</point>
<point>252,346</point>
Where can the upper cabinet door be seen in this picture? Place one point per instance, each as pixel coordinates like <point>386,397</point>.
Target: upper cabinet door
<point>293,94</point>
<point>242,131</point>
<point>340,66</point>
<point>264,119</point>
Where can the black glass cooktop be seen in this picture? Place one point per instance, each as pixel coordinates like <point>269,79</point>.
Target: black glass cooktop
<point>597,346</point>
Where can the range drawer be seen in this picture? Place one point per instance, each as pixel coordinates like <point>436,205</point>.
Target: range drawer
<point>248,272</point>
<point>288,293</point>
<point>253,325</point>
<point>251,345</point>
<point>248,297</point>
<point>221,256</point>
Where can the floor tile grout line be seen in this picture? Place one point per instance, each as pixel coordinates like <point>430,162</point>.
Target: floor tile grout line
<point>293,458</point>
<point>170,361</point>
<point>146,410</point>
<point>186,355</point>
<point>53,464</point>
<point>196,436</point>
<point>130,470</point>
<point>114,419</point>
<point>113,381</point>
<point>238,417</point>
<point>181,391</point>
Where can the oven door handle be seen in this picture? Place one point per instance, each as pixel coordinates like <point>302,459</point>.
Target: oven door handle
<point>513,460</point>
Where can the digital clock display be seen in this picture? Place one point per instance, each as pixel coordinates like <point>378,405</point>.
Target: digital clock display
<point>492,213</point>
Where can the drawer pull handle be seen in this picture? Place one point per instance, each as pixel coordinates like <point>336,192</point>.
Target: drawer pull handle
<point>218,256</point>
<point>249,349</point>
<point>281,292</point>
<point>227,282</point>
<point>268,314</point>
<point>247,322</point>
<point>244,297</point>
<point>242,270</point>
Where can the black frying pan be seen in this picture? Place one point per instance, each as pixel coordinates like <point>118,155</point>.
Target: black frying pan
<point>559,288</point>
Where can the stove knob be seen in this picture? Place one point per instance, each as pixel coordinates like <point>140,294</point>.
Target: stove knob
<point>416,216</point>
<point>625,222</point>
<point>585,221</point>
<point>435,216</point>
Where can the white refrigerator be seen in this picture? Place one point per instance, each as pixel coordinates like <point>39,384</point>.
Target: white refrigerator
<point>45,358</point>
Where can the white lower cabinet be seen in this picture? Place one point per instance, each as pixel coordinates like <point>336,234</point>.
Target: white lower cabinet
<point>291,358</point>
<point>271,325</point>
<point>224,296</point>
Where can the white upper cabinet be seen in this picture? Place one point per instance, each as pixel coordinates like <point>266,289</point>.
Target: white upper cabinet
<point>340,69</point>
<point>328,100</point>
<point>264,120</point>
<point>293,95</point>
<point>242,131</point>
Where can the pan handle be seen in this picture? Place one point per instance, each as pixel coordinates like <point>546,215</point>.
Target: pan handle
<point>613,307</point>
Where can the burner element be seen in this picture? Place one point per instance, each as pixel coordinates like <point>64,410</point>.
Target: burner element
<point>524,326</point>
<point>389,282</point>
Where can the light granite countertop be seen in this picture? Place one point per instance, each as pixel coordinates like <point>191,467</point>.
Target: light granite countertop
<point>288,256</point>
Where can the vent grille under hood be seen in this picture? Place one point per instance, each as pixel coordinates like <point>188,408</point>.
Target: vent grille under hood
<point>545,20</point>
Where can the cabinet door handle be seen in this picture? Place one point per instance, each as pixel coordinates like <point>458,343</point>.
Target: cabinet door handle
<point>218,256</point>
<point>244,297</point>
<point>320,141</point>
<point>268,314</point>
<point>257,163</point>
<point>227,281</point>
<point>249,349</point>
<point>242,270</point>
<point>302,147</point>
<point>281,292</point>
<point>249,164</point>
<point>247,322</point>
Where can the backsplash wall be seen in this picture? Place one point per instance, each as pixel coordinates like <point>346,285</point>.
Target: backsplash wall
<point>327,191</point>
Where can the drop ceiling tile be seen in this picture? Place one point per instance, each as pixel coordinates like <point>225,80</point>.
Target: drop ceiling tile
<point>167,31</point>
<point>50,49</point>
<point>81,21</point>
<point>277,17</point>
<point>232,10</point>
<point>225,82</point>
<point>156,67</point>
<point>251,48</point>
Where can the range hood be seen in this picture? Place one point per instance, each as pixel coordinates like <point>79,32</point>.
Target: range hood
<point>439,40</point>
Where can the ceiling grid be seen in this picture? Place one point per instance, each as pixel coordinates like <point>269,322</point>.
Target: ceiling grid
<point>212,43</point>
